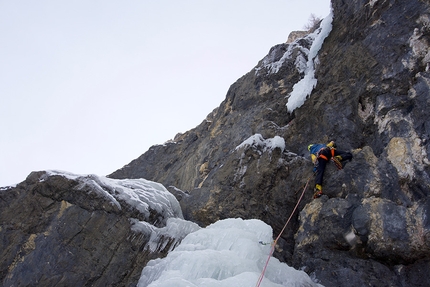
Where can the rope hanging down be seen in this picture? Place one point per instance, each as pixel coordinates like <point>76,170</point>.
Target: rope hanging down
<point>279,236</point>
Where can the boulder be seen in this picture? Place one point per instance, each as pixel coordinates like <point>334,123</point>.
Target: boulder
<point>61,229</point>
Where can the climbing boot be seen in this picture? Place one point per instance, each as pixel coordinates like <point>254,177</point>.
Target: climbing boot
<point>317,191</point>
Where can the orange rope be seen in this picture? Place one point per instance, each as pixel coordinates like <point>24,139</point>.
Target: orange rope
<point>279,236</point>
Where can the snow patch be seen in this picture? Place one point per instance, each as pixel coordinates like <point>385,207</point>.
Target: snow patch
<point>257,141</point>
<point>2,188</point>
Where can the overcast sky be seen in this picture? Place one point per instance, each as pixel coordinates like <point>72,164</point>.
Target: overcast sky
<point>87,86</point>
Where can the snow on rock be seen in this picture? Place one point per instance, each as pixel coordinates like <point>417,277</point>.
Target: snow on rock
<point>163,221</point>
<point>257,141</point>
<point>270,64</point>
<point>224,254</point>
<point>304,87</point>
<point>141,194</point>
<point>305,61</point>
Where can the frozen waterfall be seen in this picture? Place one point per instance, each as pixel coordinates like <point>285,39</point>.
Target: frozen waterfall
<point>224,254</point>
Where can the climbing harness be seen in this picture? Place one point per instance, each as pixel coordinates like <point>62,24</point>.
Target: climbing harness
<point>260,279</point>
<point>333,158</point>
<point>319,154</point>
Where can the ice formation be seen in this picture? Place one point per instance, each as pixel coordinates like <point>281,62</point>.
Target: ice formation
<point>224,254</point>
<point>304,87</point>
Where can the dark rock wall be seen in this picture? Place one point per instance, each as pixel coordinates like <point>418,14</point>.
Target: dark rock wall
<point>54,231</point>
<point>372,97</point>
<point>256,103</point>
<point>371,228</point>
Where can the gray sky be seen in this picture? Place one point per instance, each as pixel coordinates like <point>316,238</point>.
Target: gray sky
<point>88,86</point>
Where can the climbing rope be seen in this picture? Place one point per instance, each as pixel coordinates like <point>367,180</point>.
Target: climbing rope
<point>260,279</point>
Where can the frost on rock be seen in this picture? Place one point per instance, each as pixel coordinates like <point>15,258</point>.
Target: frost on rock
<point>224,254</point>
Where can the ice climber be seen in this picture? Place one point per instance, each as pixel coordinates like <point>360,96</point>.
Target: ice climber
<point>321,154</point>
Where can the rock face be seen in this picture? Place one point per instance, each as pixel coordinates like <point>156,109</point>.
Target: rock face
<point>60,229</point>
<point>248,159</point>
<point>296,35</point>
<point>372,97</point>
